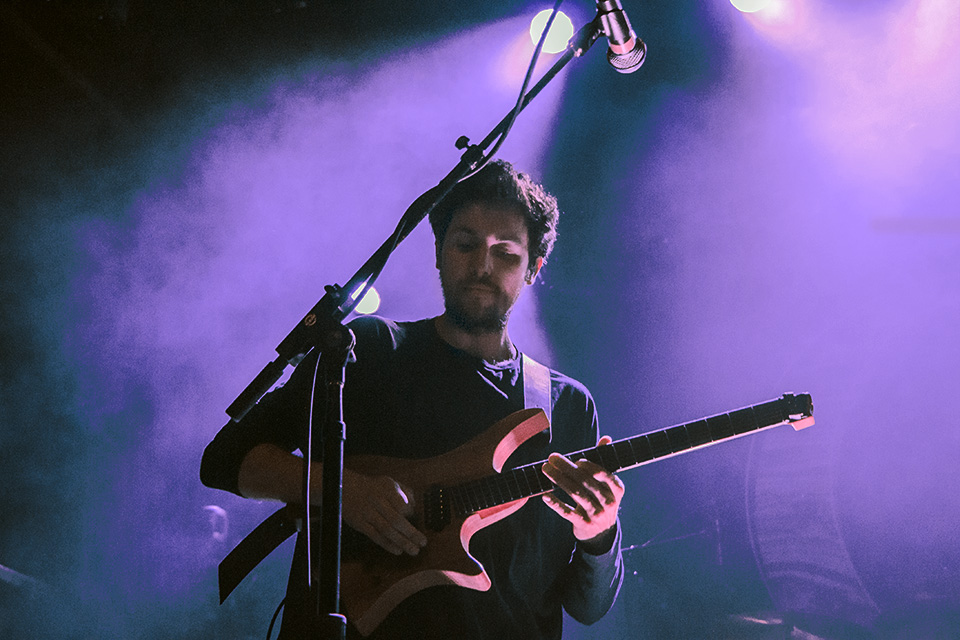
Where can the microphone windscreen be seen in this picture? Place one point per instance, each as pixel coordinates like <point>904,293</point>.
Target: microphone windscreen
<point>630,61</point>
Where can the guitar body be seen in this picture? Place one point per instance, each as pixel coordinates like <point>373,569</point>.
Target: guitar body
<point>374,581</point>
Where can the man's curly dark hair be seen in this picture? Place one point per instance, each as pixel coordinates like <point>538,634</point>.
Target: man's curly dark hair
<point>500,185</point>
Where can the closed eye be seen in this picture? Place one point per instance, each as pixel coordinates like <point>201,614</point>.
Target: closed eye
<point>507,255</point>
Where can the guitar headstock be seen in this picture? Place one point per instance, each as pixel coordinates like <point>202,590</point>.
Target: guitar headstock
<point>799,410</point>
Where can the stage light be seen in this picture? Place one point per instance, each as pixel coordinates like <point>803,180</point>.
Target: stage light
<point>370,302</point>
<point>750,6</point>
<point>778,20</point>
<point>560,32</point>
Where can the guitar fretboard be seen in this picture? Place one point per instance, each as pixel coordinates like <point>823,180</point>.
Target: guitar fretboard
<point>528,480</point>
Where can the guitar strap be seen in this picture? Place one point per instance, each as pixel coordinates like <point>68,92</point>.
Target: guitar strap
<point>536,389</point>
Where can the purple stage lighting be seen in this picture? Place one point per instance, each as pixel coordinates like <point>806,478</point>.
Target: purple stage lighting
<point>192,281</point>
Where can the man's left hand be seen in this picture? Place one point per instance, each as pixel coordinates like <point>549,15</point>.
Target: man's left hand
<point>596,494</point>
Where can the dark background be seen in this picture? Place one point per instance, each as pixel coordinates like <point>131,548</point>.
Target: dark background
<point>755,211</point>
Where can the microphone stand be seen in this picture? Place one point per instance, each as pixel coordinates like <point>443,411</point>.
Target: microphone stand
<point>322,328</point>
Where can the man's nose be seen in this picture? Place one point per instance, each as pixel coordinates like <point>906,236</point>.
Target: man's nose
<point>483,262</point>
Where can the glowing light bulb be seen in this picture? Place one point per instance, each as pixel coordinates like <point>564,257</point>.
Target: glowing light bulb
<point>370,302</point>
<point>560,31</point>
<point>750,6</point>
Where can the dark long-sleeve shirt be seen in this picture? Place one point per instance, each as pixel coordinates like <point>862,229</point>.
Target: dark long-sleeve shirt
<point>411,395</point>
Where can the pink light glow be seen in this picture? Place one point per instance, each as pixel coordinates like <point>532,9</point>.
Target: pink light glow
<point>889,90</point>
<point>779,20</point>
<point>807,237</point>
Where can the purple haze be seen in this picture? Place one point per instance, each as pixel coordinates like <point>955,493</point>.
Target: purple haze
<point>218,259</point>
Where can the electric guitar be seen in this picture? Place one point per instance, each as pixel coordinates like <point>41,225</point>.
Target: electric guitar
<point>462,491</point>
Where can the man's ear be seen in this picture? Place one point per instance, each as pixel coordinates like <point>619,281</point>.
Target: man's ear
<point>532,275</point>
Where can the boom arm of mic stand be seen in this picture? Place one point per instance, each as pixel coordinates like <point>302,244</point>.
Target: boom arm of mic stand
<point>337,302</point>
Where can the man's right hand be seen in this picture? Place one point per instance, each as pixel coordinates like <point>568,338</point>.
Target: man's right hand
<point>376,506</point>
<point>379,508</point>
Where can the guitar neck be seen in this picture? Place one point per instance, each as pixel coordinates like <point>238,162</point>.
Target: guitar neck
<point>529,480</point>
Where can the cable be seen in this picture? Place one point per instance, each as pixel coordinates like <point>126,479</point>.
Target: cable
<point>523,92</point>
<point>273,620</point>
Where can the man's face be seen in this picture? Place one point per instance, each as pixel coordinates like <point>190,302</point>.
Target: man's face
<point>483,263</point>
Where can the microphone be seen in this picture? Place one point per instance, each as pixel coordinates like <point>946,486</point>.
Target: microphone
<point>626,51</point>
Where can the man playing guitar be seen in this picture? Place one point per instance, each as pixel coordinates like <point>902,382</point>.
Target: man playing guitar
<point>421,390</point>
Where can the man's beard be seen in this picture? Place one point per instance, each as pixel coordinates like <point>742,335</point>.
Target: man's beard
<point>488,318</point>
